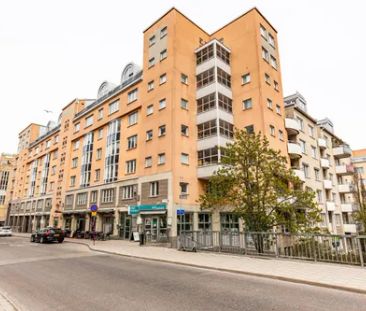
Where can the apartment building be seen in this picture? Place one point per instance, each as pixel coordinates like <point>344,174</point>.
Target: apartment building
<point>323,161</point>
<point>7,170</point>
<point>146,146</point>
<point>359,163</point>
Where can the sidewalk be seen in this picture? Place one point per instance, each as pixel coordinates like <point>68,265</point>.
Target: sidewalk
<point>344,277</point>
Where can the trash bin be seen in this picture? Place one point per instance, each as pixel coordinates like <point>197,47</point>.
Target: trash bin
<point>142,238</point>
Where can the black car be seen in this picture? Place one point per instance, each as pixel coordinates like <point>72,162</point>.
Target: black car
<point>48,235</point>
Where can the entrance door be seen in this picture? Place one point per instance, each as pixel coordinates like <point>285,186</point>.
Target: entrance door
<point>125,228</point>
<point>152,226</point>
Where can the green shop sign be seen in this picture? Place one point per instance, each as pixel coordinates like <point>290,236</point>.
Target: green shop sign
<point>135,209</point>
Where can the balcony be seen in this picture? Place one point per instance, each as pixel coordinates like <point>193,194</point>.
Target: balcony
<point>299,173</point>
<point>330,206</point>
<point>347,207</point>
<point>350,228</point>
<point>345,188</point>
<point>342,151</point>
<point>292,126</point>
<point>322,143</point>
<point>327,184</point>
<point>345,169</point>
<point>324,163</point>
<point>205,172</point>
<point>294,149</point>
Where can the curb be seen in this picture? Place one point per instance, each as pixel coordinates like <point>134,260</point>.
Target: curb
<point>6,304</point>
<point>266,276</point>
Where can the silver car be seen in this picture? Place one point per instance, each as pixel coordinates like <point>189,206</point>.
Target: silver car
<point>5,231</point>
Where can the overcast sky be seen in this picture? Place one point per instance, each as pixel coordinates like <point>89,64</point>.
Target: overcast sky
<point>54,51</point>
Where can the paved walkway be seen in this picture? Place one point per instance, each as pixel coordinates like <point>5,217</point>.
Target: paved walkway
<point>344,277</point>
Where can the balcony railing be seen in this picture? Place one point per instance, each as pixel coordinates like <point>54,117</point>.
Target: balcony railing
<point>294,149</point>
<point>342,151</point>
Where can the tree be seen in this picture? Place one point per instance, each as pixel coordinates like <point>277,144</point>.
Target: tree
<point>256,183</point>
<point>359,194</point>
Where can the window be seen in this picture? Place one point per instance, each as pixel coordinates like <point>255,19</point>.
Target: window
<point>100,113</point>
<point>4,180</point>
<point>204,222</point>
<point>280,134</point>
<point>319,196</point>
<point>76,128</point>
<point>132,118</point>
<point>163,54</point>
<point>317,174</point>
<point>272,130</point>
<point>149,135</point>
<point>359,170</point>
<point>185,222</point>
<point>184,158</point>
<point>53,170</point>
<point>162,103</point>
<point>161,130</point>
<point>72,181</point>
<point>81,198</point>
<point>225,103</point>
<point>184,130</point>
<point>206,103</point>
<point>99,154</point>
<point>183,78</point>
<point>76,144</point>
<point>97,174</point>
<point>86,159</point>
<point>208,156</point>
<point>183,188</point>
<point>55,154</point>
<point>88,121</point>
<point>69,200</point>
<point>107,195</point>
<point>305,168</point>
<point>263,32</point>
<point>184,103</point>
<point>223,77</point>
<point>113,107</point>
<point>223,54</point>
<point>93,196</point>
<point>205,54</point>
<point>74,162</point>
<point>48,144</point>
<point>245,78</point>
<point>276,85</point>
<point>152,40</point>
<point>265,54</point>
<point>132,96</point>
<point>161,158</point>
<point>163,78</point>
<point>148,161</point>
<point>154,189</point>
<point>100,133</point>
<point>149,110</point>
<point>207,129</point>
<point>302,146</point>
<point>301,123</point>
<point>229,222</point>
<point>273,62</point>
<point>2,199</point>
<point>111,163</point>
<point>129,192</point>
<point>151,62</point>
<point>249,129</point>
<point>311,130</point>
<point>131,166</point>
<point>226,129</point>
<point>313,152</point>
<point>163,32</point>
<point>247,104</point>
<point>269,103</point>
<point>57,138</point>
<point>150,86</point>
<point>205,78</point>
<point>278,109</point>
<point>267,78</point>
<point>132,142</point>
<point>271,40</point>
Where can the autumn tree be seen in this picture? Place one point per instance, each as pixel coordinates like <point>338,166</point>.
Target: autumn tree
<point>359,194</point>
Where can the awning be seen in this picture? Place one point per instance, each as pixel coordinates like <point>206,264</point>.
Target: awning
<point>76,211</point>
<point>153,212</point>
<point>105,210</point>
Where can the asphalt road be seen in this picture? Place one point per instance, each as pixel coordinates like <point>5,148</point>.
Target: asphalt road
<point>70,277</point>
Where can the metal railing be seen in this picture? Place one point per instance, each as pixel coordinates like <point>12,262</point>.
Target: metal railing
<point>343,249</point>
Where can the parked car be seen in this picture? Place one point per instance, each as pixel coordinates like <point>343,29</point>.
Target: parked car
<point>5,231</point>
<point>48,234</point>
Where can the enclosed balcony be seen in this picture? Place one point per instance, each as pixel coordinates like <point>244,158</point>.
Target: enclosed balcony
<point>299,173</point>
<point>205,172</point>
<point>327,184</point>
<point>345,169</point>
<point>342,151</point>
<point>322,143</point>
<point>350,228</point>
<point>324,163</point>
<point>294,149</point>
<point>330,206</point>
<point>347,207</point>
<point>345,188</point>
<point>292,126</point>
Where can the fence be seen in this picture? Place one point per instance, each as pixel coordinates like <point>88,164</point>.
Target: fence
<point>344,249</point>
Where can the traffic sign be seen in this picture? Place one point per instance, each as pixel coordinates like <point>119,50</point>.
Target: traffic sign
<point>94,208</point>
<point>94,214</point>
<point>180,211</point>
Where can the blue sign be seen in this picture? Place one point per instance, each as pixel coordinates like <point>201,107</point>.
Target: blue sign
<point>135,209</point>
<point>180,211</point>
<point>94,208</point>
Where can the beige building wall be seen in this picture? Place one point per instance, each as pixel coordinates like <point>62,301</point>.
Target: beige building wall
<point>7,171</point>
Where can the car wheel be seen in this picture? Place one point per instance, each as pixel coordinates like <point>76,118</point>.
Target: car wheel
<point>41,240</point>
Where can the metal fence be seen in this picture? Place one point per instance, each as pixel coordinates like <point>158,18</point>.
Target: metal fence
<point>344,249</point>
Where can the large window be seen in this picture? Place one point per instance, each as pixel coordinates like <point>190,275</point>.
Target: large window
<point>81,198</point>
<point>225,103</point>
<point>205,54</point>
<point>86,160</point>
<point>154,189</point>
<point>4,179</point>
<point>223,77</point>
<point>205,78</point>
<point>33,176</point>
<point>226,129</point>
<point>112,151</point>
<point>107,195</point>
<point>208,156</point>
<point>44,176</point>
<point>223,54</point>
<point>207,129</point>
<point>129,192</point>
<point>185,222</point>
<point>229,222</point>
<point>206,103</point>
<point>204,221</point>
